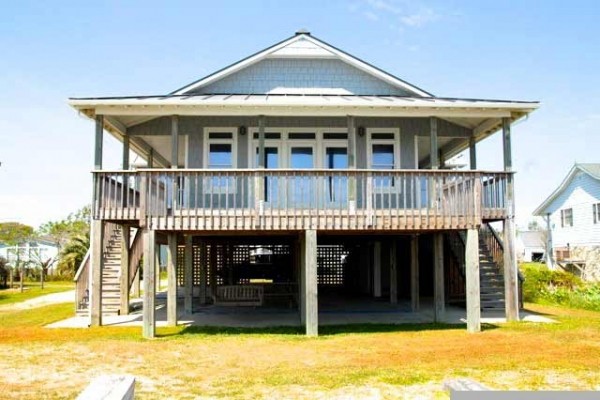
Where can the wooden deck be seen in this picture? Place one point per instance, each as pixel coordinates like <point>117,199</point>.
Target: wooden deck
<point>286,200</point>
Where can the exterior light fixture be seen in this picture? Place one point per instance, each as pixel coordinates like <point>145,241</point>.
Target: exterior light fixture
<point>242,130</point>
<point>361,131</point>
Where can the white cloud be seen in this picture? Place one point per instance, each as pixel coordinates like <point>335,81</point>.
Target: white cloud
<point>371,16</point>
<point>409,14</point>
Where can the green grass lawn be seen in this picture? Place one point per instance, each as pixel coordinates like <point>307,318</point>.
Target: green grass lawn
<point>345,361</point>
<point>33,289</point>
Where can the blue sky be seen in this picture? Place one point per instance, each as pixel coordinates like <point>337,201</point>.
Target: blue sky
<point>527,50</point>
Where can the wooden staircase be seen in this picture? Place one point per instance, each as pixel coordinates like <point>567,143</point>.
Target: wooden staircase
<point>111,273</point>
<point>491,280</point>
<point>111,288</point>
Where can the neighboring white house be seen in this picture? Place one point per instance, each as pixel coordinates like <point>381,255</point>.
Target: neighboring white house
<point>31,252</point>
<point>531,246</point>
<point>572,213</point>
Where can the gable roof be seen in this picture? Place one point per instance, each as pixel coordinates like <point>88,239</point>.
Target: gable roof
<point>304,45</point>
<point>591,169</point>
<point>532,238</point>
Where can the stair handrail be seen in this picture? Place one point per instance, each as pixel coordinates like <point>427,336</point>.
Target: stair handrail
<point>81,279</point>
<point>136,250</point>
<point>498,254</point>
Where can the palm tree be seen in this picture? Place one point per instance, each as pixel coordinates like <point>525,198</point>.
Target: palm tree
<point>72,254</point>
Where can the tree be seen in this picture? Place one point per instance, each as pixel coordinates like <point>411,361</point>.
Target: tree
<point>44,263</point>
<point>76,224</point>
<point>72,254</point>
<point>14,234</point>
<point>4,272</point>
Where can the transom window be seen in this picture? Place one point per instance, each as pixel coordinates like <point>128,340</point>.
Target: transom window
<point>566,217</point>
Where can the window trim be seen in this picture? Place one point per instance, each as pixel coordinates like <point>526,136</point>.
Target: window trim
<point>231,187</point>
<point>563,217</point>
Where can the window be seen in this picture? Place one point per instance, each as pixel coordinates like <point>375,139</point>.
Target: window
<point>383,155</point>
<point>566,217</point>
<point>220,154</point>
<point>596,211</point>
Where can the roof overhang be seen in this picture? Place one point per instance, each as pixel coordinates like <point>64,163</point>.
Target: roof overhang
<point>483,117</point>
<point>541,210</point>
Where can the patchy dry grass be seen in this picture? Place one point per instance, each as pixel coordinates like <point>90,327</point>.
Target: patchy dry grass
<point>33,289</point>
<point>345,362</point>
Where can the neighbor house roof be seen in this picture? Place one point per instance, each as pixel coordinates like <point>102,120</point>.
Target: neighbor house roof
<point>591,169</point>
<point>532,238</point>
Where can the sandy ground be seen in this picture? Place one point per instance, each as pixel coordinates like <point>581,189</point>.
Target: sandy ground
<point>54,298</point>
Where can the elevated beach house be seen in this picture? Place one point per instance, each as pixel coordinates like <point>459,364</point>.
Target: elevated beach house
<point>304,178</point>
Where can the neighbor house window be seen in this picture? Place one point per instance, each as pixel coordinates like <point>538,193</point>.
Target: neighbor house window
<point>596,210</point>
<point>566,217</point>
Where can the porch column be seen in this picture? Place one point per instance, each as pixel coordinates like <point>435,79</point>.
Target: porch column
<point>125,165</point>
<point>189,274</point>
<point>414,273</point>
<point>433,140</point>
<point>261,141</point>
<point>98,142</point>
<point>149,310</point>
<point>377,269</point>
<point>472,153</point>
<point>309,308</point>
<point>97,265</point>
<point>351,162</point>
<point>549,245</point>
<point>439,305</point>
<point>511,284</point>
<point>472,281</point>
<point>172,279</point>
<point>124,277</point>
<point>150,158</point>
<point>393,274</point>
<point>174,141</point>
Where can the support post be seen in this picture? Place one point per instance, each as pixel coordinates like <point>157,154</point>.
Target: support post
<point>135,288</point>
<point>151,158</point>
<point>472,153</point>
<point>203,270</point>
<point>511,284</point>
<point>433,140</point>
<point>189,274</point>
<point>172,279</point>
<point>414,273</point>
<point>472,281</point>
<point>97,265</point>
<point>124,277</point>
<point>261,141</point>
<point>351,162</point>
<point>98,142</point>
<point>549,245</point>
<point>309,250</point>
<point>149,310</point>
<point>393,274</point>
<point>377,269</point>
<point>439,303</point>
<point>126,152</point>
<point>302,262</point>
<point>174,141</point>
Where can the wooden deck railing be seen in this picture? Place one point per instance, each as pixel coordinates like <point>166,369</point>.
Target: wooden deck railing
<point>281,199</point>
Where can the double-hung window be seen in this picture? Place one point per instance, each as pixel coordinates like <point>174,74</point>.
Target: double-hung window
<point>383,154</point>
<point>566,217</point>
<point>220,155</point>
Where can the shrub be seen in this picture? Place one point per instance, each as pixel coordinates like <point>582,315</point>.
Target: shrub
<point>558,287</point>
